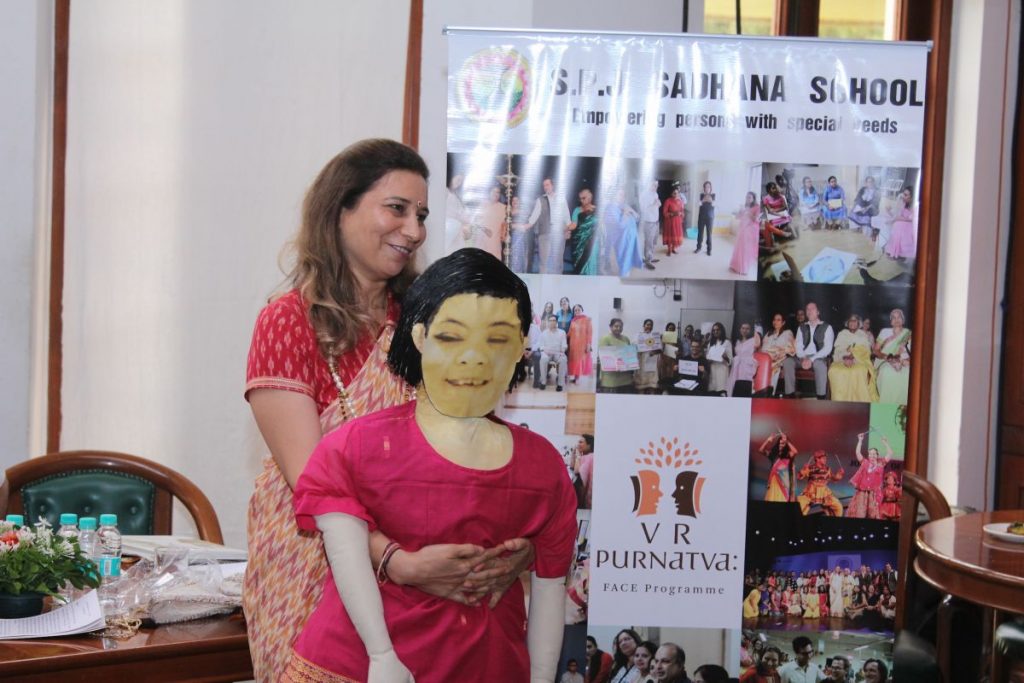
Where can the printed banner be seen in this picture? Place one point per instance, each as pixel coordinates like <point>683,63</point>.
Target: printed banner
<point>715,223</point>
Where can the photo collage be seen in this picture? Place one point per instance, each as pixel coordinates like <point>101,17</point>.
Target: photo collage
<point>789,285</point>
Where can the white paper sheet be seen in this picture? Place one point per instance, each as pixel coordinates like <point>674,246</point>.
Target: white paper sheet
<point>145,546</point>
<point>79,616</point>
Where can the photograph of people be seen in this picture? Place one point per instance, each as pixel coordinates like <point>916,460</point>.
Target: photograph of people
<point>776,218</point>
<point>488,232</point>
<point>835,659</point>
<point>333,370</point>
<point>552,346</point>
<point>648,344</point>
<point>581,332</point>
<point>650,222</point>
<point>892,364</point>
<point>457,221</point>
<point>550,221</point>
<point>466,305</point>
<point>745,362</point>
<point>818,476</point>
<point>718,351</point>
<point>623,667</point>
<point>615,381</point>
<point>847,239</point>
<point>564,314</point>
<point>811,358</point>
<point>782,476</point>
<point>819,561</point>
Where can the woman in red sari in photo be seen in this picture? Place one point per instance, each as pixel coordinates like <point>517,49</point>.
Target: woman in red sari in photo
<point>672,226</point>
<point>581,334</point>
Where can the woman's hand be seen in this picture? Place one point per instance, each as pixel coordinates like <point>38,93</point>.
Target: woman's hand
<point>440,570</point>
<point>501,568</point>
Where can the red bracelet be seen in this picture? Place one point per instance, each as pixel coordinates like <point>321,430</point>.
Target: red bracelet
<point>382,569</point>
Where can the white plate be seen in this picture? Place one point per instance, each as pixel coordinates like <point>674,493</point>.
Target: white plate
<point>999,531</point>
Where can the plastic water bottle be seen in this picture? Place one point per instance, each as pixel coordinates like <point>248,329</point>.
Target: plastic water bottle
<point>87,540</point>
<point>68,530</point>
<point>16,519</point>
<point>109,542</point>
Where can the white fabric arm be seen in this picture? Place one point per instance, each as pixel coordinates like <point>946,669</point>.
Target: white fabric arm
<point>346,541</point>
<point>545,627</point>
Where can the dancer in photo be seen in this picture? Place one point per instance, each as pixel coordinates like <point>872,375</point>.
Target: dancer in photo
<point>867,480</point>
<point>781,453</point>
<point>892,491</point>
<point>459,338</point>
<point>818,476</point>
<point>672,225</point>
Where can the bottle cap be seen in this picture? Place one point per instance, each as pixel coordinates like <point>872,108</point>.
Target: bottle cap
<point>108,520</point>
<point>87,523</point>
<point>68,518</point>
<point>16,519</point>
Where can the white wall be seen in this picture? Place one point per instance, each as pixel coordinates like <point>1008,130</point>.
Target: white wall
<point>973,248</point>
<point>194,129</point>
<point>26,46</point>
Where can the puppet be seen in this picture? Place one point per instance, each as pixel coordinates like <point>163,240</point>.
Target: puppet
<point>435,470</point>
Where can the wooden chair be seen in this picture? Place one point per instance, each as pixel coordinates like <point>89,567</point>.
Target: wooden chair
<point>916,658</point>
<point>90,483</point>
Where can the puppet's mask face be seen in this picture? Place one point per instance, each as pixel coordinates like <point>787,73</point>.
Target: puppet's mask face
<point>469,353</point>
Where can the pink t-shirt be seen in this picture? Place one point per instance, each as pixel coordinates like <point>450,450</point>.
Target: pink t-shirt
<point>381,469</point>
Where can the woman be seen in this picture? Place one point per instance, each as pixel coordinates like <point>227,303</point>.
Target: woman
<point>779,343</point>
<point>458,341</point>
<point>887,603</point>
<point>810,205</point>
<point>834,200</point>
<point>836,583</point>
<point>623,668</point>
<point>489,231</point>
<point>710,673</point>
<point>362,221</point>
<point>612,381</point>
<point>581,332</point>
<point>851,375</point>
<point>599,663</point>
<point>865,205</point>
<point>767,670</point>
<point>549,310</point>
<point>583,235</point>
<point>857,603</point>
<point>776,217</point>
<point>719,353</point>
<point>648,346</point>
<point>892,364</point>
<point>620,221</point>
<point>744,251</point>
<point>750,603</point>
<point>705,217</point>
<point>902,242</point>
<point>642,660</point>
<point>867,481</point>
<point>519,242</point>
<point>810,600</point>
<point>889,509</point>
<point>875,671</point>
<point>667,363</point>
<point>672,226</point>
<point>564,315</point>
<point>781,453</point>
<point>865,327</point>
<point>457,221</point>
<point>743,365</point>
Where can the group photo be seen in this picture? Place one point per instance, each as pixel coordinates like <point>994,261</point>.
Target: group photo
<point>818,574</point>
<point>825,342</point>
<point>828,459</point>
<point>834,224</point>
<point>843,657</point>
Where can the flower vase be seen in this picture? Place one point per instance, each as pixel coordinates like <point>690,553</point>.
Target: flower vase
<point>22,605</point>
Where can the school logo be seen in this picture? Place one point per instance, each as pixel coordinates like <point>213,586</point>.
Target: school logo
<point>669,458</point>
<point>494,86</point>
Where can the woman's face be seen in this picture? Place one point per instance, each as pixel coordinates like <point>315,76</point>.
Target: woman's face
<point>896,319</point>
<point>626,644</point>
<point>586,197</point>
<point>675,193</point>
<point>873,453</point>
<point>778,322</point>
<point>648,326</point>
<point>853,324</point>
<point>577,310</point>
<point>871,673</point>
<point>770,660</point>
<point>808,184</point>
<point>906,197</point>
<point>866,324</point>
<point>745,331</point>
<point>591,648</point>
<point>563,304</point>
<point>751,199</point>
<point>773,189</point>
<point>616,328</point>
<point>548,308</point>
<point>642,660</point>
<point>707,187</point>
<point>870,182</point>
<point>832,182</point>
<point>381,233</point>
<point>495,194</point>
<point>717,331</point>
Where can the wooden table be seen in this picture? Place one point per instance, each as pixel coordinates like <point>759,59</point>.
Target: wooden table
<point>214,649</point>
<point>958,558</point>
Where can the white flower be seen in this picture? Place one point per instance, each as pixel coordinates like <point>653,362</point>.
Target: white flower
<point>25,535</point>
<point>65,548</point>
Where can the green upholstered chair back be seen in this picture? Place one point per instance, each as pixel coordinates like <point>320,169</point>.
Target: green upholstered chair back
<point>139,491</point>
<point>91,493</point>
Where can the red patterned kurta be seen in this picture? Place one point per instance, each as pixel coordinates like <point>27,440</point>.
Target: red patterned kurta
<point>284,578</point>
